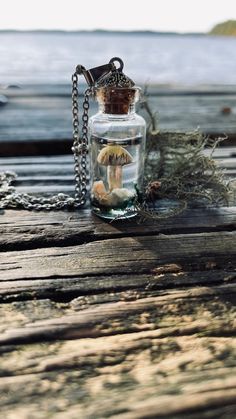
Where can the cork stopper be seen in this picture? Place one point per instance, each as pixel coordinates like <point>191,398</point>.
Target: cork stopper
<point>117,100</point>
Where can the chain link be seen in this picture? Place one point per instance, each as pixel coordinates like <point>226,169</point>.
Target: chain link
<point>80,144</point>
<point>9,198</point>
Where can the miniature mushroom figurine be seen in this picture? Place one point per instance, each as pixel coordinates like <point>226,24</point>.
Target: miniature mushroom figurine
<point>114,157</point>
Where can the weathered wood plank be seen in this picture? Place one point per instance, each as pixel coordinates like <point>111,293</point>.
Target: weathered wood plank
<point>124,287</point>
<point>78,381</point>
<point>52,188</point>
<point>130,306</point>
<point>228,164</point>
<point>35,116</point>
<point>115,395</point>
<point>131,353</point>
<point>126,317</point>
<point>50,160</point>
<point>24,229</point>
<point>47,190</point>
<point>112,256</point>
<point>38,168</point>
<point>67,169</point>
<point>53,175</point>
<point>153,408</point>
<point>219,153</point>
<point>225,156</point>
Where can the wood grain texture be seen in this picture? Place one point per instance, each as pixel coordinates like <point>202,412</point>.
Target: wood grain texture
<point>62,289</point>
<point>162,356</point>
<point>115,320</point>
<point>127,254</point>
<point>39,115</point>
<point>122,317</point>
<point>23,230</point>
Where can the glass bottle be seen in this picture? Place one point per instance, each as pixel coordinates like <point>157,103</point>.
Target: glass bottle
<point>117,149</point>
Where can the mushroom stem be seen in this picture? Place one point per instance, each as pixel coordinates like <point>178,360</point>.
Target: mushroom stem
<point>114,177</point>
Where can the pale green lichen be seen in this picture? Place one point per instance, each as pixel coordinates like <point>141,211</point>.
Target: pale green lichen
<point>178,168</point>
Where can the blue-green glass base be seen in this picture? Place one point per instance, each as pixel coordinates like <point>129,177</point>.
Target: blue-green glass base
<point>114,213</point>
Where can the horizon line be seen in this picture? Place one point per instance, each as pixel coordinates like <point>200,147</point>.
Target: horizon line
<point>120,31</point>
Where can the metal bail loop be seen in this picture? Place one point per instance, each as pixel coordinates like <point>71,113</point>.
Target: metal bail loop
<point>94,74</point>
<point>114,59</point>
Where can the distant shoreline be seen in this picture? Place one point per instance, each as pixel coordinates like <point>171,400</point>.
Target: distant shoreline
<point>98,32</point>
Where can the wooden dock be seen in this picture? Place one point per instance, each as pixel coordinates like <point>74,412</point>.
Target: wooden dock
<point>115,320</point>
<point>40,115</point>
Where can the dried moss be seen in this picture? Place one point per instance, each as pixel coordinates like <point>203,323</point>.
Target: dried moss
<point>177,168</point>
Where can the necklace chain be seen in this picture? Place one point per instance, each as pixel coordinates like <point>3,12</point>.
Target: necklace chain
<point>9,198</point>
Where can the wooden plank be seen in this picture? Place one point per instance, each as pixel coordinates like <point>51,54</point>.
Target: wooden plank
<point>126,255</point>
<point>229,163</point>
<point>56,173</point>
<point>47,189</point>
<point>78,380</point>
<point>63,168</point>
<point>28,169</point>
<point>23,229</point>
<point>35,147</point>
<point>116,393</point>
<point>119,317</point>
<point>49,160</point>
<point>122,355</point>
<point>33,116</point>
<point>219,153</point>
<point>105,319</point>
<point>125,287</point>
<point>46,185</point>
<point>45,179</point>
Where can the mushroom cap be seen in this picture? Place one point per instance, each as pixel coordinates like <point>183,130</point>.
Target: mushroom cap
<point>114,155</point>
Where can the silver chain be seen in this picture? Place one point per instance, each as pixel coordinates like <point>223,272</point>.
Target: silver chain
<point>80,144</point>
<point>9,198</point>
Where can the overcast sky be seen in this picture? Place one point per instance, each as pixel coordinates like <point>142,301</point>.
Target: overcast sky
<point>159,15</point>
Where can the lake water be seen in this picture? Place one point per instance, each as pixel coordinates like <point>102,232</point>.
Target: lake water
<point>159,59</point>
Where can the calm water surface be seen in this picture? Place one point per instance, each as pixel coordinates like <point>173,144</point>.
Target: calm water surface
<point>166,59</point>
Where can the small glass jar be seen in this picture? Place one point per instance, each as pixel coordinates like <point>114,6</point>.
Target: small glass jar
<point>117,148</point>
